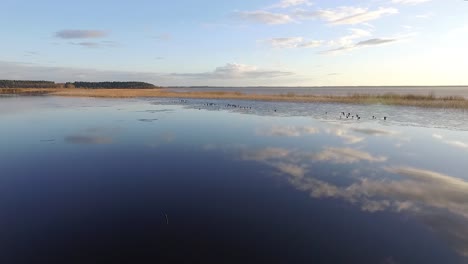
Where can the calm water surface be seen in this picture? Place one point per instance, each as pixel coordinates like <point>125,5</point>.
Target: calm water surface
<point>163,181</point>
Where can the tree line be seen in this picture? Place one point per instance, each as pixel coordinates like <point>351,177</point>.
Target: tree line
<point>110,85</point>
<point>87,85</point>
<point>26,84</point>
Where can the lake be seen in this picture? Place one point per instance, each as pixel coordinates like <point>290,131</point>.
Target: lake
<point>86,180</point>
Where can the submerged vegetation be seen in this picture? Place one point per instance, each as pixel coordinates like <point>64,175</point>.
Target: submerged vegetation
<point>429,100</point>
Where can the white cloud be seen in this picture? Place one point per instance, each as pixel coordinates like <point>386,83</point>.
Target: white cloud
<point>236,71</point>
<point>80,34</point>
<point>374,41</point>
<point>409,2</point>
<point>293,42</point>
<point>424,16</point>
<point>310,44</point>
<point>348,40</point>
<point>291,3</point>
<point>346,15</point>
<point>282,43</point>
<point>361,44</point>
<point>265,17</point>
<point>363,16</point>
<point>352,41</point>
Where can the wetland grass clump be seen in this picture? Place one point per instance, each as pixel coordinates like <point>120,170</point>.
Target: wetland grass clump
<point>429,100</point>
<point>289,94</point>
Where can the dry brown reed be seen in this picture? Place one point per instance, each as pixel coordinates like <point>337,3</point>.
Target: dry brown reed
<point>429,100</point>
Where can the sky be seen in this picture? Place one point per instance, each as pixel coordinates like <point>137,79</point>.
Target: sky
<point>237,43</point>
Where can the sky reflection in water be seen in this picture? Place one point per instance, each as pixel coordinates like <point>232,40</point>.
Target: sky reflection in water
<point>95,179</point>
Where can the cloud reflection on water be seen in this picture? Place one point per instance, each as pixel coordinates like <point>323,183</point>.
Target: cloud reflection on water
<point>349,133</point>
<point>344,134</point>
<point>85,139</point>
<point>374,131</point>
<point>161,139</point>
<point>437,199</point>
<point>455,143</point>
<point>353,134</point>
<point>94,136</point>
<point>346,155</point>
<point>288,131</point>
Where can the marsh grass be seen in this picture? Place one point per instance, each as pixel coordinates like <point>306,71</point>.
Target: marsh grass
<point>429,100</point>
<point>27,91</point>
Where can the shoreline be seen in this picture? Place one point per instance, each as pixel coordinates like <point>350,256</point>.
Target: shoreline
<point>427,101</point>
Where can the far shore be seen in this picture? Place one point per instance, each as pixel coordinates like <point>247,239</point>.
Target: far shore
<point>428,101</point>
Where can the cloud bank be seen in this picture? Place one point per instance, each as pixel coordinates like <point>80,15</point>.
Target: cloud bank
<point>236,71</point>
<point>345,15</point>
<point>231,71</point>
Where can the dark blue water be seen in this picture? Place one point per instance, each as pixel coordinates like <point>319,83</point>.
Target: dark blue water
<point>151,181</point>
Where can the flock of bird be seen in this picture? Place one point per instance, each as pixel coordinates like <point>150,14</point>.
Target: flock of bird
<point>343,115</point>
<point>348,115</point>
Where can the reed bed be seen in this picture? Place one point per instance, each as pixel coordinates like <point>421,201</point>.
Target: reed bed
<point>429,101</point>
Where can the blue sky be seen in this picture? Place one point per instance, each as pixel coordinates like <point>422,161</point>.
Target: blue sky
<point>237,43</point>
